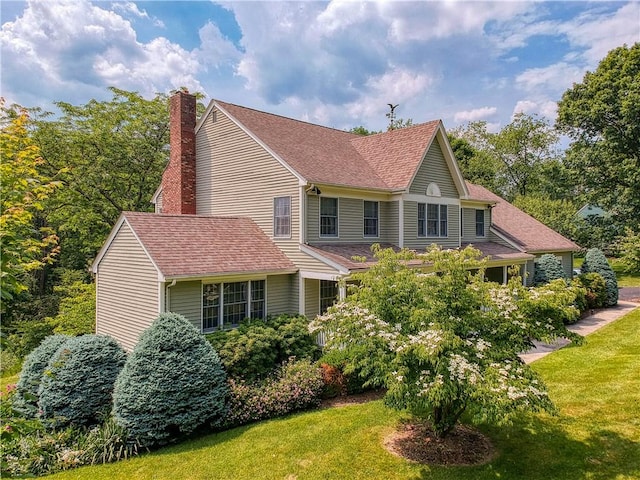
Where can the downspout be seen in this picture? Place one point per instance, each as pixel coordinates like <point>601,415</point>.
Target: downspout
<point>167,297</point>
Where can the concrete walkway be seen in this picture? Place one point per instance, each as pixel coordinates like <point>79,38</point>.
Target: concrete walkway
<point>583,327</point>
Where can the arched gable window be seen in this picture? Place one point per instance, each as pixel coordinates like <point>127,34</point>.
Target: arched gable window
<point>433,190</point>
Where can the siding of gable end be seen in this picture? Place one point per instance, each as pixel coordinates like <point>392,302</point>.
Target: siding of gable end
<point>434,169</point>
<point>127,297</point>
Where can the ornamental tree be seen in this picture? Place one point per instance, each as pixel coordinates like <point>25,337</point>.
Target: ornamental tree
<point>548,268</point>
<point>445,343</point>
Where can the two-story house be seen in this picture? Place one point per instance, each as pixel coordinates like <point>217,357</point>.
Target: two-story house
<point>258,214</point>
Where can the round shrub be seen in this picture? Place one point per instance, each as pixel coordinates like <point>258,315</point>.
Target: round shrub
<point>172,383</point>
<point>26,396</point>
<point>78,381</point>
<point>596,289</point>
<point>258,347</point>
<point>595,261</point>
<point>547,269</point>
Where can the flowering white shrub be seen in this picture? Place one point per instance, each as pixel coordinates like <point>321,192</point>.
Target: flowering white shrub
<point>446,343</point>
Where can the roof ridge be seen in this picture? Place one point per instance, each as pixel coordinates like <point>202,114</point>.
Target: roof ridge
<point>346,132</point>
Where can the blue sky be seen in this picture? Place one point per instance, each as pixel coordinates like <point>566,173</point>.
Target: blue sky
<point>334,63</point>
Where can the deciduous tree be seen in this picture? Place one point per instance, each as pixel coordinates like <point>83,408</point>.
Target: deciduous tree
<point>446,343</point>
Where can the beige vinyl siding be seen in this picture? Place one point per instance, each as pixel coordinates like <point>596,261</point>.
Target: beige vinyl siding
<point>282,294</point>
<point>158,204</point>
<point>469,226</point>
<point>389,225</point>
<point>434,169</point>
<point>411,239</point>
<point>185,298</point>
<point>236,176</point>
<point>127,297</point>
<point>311,298</point>
<point>351,222</point>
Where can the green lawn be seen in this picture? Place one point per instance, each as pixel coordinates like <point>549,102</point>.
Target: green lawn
<point>596,435</point>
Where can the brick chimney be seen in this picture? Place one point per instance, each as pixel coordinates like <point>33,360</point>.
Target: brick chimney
<point>179,178</point>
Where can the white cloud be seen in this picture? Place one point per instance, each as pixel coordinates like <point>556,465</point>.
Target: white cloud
<point>598,33</point>
<point>474,115</point>
<point>555,78</point>
<point>545,108</point>
<point>73,48</point>
<point>130,7</point>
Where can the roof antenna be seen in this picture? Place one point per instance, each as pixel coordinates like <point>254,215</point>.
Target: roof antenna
<point>392,115</point>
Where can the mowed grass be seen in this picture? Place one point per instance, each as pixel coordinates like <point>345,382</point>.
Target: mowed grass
<point>596,434</point>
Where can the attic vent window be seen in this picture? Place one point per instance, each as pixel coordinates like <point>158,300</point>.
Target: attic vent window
<point>433,190</point>
<point>214,116</point>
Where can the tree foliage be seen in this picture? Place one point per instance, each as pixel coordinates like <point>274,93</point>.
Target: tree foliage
<point>114,153</point>
<point>172,383</point>
<point>630,251</point>
<point>446,343</point>
<point>560,215</point>
<point>26,246</point>
<point>516,154</point>
<point>600,115</point>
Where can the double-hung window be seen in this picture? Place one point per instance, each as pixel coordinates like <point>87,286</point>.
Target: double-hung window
<point>225,305</point>
<point>480,223</point>
<point>371,219</point>
<point>432,220</point>
<point>328,294</point>
<point>328,217</point>
<point>282,217</point>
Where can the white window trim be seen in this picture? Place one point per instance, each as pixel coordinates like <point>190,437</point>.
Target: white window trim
<point>275,235</point>
<point>320,294</point>
<point>337,235</point>
<point>484,223</point>
<point>426,220</point>
<point>221,303</point>
<point>377,235</point>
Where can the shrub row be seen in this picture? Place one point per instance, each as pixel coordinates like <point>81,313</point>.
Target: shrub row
<point>296,385</point>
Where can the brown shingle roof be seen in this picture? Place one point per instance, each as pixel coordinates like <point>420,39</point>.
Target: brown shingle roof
<point>343,253</point>
<point>196,245</point>
<point>510,221</point>
<point>385,161</point>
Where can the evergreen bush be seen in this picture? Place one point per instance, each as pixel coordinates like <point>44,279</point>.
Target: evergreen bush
<point>172,383</point>
<point>258,347</point>
<point>77,383</point>
<point>26,396</point>
<point>547,269</point>
<point>596,289</point>
<point>595,261</point>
